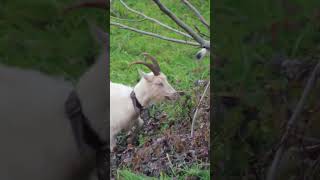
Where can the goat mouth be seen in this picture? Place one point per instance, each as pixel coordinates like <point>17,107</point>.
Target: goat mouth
<point>170,98</point>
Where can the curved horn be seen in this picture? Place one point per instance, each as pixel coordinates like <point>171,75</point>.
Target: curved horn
<point>150,66</point>
<point>154,67</point>
<point>154,61</point>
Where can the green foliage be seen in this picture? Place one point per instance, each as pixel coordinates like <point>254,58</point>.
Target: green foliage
<point>128,175</point>
<point>141,139</point>
<point>194,171</point>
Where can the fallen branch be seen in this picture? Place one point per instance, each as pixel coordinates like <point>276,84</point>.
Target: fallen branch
<point>155,35</point>
<point>128,20</point>
<point>204,43</point>
<point>282,148</point>
<point>154,20</point>
<point>201,18</point>
<point>196,38</point>
<point>197,109</point>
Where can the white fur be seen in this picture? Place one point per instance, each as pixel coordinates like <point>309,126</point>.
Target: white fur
<point>122,112</point>
<point>37,141</point>
<point>119,117</point>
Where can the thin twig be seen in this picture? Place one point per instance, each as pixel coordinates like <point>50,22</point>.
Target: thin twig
<point>129,20</point>
<point>154,20</point>
<point>170,163</point>
<point>274,166</point>
<point>204,43</point>
<point>197,13</point>
<point>155,35</point>
<point>198,30</point>
<point>197,108</point>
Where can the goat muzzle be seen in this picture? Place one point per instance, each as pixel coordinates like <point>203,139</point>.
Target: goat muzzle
<point>175,96</point>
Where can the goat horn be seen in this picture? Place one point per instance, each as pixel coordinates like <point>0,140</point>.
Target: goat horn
<point>154,61</point>
<point>150,66</point>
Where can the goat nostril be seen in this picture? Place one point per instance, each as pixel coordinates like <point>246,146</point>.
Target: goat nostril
<point>176,95</point>
<point>180,93</point>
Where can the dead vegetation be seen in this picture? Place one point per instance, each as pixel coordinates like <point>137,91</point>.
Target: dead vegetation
<point>167,150</point>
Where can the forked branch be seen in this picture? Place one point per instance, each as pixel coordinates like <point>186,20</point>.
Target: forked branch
<point>154,34</point>
<point>154,20</point>
<point>189,32</point>
<point>204,43</point>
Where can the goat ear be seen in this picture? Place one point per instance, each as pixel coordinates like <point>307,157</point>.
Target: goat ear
<point>145,75</point>
<point>141,73</point>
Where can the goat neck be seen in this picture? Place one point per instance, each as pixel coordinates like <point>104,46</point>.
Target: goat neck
<point>142,94</point>
<point>92,91</point>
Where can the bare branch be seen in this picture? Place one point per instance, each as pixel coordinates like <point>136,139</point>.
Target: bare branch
<point>154,20</point>
<point>306,92</point>
<point>195,36</point>
<point>129,20</point>
<point>155,35</point>
<point>197,108</point>
<point>197,13</point>
<point>274,166</point>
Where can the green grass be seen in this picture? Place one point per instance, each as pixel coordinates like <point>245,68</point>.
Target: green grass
<point>193,171</point>
<point>128,175</point>
<point>176,61</point>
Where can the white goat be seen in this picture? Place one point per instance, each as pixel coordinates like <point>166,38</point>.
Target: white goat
<point>125,106</point>
<point>37,140</point>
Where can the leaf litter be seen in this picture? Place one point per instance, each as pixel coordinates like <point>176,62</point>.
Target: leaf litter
<point>164,150</point>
